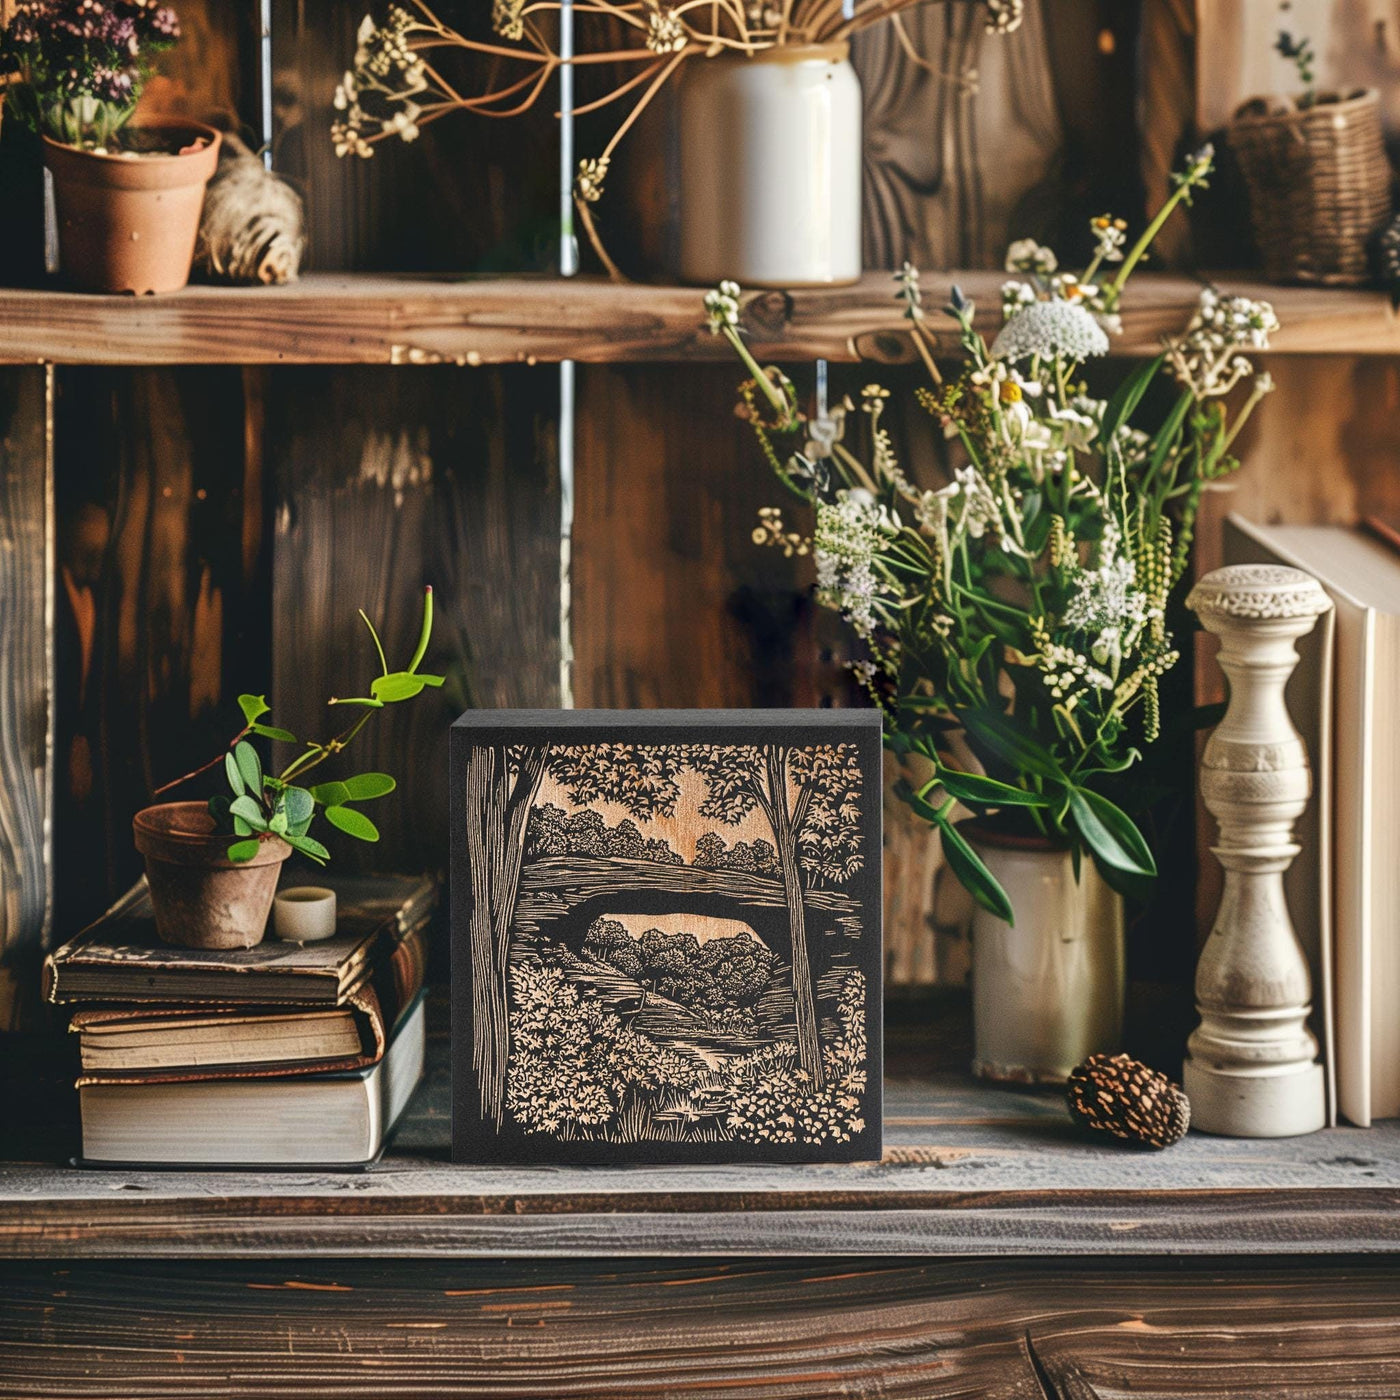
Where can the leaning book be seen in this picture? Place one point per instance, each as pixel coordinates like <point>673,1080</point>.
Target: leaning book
<point>324,1120</point>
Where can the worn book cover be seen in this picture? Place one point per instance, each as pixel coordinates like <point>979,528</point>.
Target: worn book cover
<point>120,958</point>
<point>666,936</point>
<point>146,1044</point>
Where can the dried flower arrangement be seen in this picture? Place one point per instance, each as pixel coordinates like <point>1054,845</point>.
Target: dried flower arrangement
<point>394,89</point>
<point>79,65</point>
<point>1016,616</point>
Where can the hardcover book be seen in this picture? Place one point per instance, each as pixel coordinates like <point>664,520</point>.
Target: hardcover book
<point>120,959</point>
<point>666,936</point>
<point>323,1120</point>
<point>142,1044</point>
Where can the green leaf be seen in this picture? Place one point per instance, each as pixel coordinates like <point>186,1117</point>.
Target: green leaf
<point>235,778</point>
<point>242,851</point>
<point>352,823</point>
<point>309,847</point>
<point>973,875</point>
<point>299,805</point>
<point>1001,736</point>
<point>218,809</point>
<point>267,731</point>
<point>974,787</point>
<point>358,700</point>
<point>1166,435</point>
<point>1109,833</point>
<point>253,706</point>
<point>241,828</point>
<point>365,786</point>
<point>250,766</point>
<point>1127,397</point>
<point>278,825</point>
<point>920,806</point>
<point>401,685</point>
<point>397,685</point>
<point>249,811</point>
<point>330,794</point>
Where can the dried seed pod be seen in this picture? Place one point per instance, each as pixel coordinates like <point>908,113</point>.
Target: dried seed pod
<point>1122,1096</point>
<point>252,228</point>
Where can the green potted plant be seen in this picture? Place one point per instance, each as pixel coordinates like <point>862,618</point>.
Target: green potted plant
<point>128,195</point>
<point>212,866</point>
<point>1015,616</point>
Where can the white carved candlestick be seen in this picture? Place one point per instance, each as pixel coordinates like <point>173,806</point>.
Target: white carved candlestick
<point>1252,1066</point>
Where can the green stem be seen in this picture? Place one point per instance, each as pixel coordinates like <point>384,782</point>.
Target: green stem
<point>770,390</point>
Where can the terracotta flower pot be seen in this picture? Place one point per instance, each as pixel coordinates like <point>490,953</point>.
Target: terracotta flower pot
<point>128,223</point>
<point>201,898</point>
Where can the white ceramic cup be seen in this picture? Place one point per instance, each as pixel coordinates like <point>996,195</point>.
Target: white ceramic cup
<point>304,913</point>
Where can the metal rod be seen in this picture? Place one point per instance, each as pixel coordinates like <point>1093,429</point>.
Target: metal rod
<point>568,266</point>
<point>265,79</point>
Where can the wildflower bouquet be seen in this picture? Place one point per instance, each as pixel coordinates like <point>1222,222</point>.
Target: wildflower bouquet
<point>395,86</point>
<point>1016,616</point>
<point>80,64</point>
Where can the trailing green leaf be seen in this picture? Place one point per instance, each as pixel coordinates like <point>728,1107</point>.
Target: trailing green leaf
<point>242,851</point>
<point>1110,834</point>
<point>249,767</point>
<point>253,707</point>
<point>988,792</point>
<point>973,874</point>
<point>352,823</point>
<point>363,787</point>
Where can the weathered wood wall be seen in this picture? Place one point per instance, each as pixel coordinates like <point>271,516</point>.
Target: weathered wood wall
<point>994,1330</point>
<point>26,687</point>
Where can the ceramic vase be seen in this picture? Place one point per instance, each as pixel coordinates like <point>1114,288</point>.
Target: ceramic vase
<point>1047,991</point>
<point>770,168</point>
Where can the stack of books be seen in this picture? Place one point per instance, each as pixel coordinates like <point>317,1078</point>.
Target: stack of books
<point>285,1054</point>
<point>1344,887</point>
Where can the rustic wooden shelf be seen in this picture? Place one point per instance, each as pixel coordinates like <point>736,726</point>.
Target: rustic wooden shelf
<point>968,1170</point>
<point>331,318</point>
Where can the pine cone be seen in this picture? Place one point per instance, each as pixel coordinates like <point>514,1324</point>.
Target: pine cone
<point>1118,1095</point>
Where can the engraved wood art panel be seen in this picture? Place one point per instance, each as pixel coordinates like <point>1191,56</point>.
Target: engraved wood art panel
<point>666,936</point>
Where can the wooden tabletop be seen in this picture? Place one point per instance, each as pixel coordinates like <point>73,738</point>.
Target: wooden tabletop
<point>968,1169</point>
<point>375,318</point>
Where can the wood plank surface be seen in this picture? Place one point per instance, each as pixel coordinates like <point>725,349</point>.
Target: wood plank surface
<point>342,318</point>
<point>998,1331</point>
<point>26,689</point>
<point>162,601</point>
<point>385,483</point>
<point>968,1170</point>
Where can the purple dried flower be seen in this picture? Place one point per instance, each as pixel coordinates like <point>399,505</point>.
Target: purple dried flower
<point>112,85</point>
<point>67,49</point>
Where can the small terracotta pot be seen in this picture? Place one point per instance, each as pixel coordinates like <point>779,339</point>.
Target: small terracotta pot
<point>128,223</point>
<point>200,897</point>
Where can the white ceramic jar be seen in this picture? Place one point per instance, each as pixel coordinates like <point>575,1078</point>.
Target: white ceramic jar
<point>1048,991</point>
<point>770,168</point>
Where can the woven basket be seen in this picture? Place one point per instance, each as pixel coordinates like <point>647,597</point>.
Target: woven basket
<point>1319,184</point>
